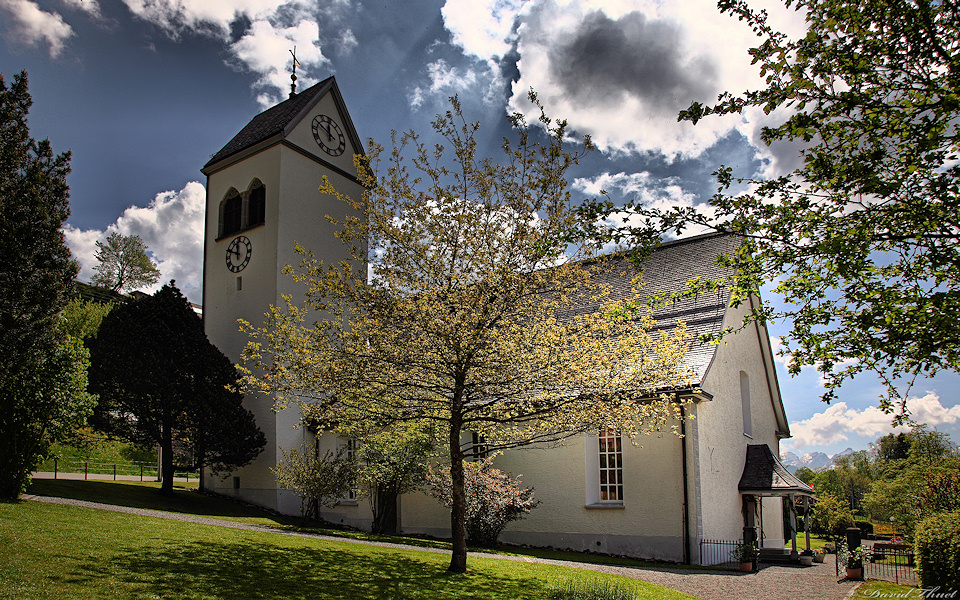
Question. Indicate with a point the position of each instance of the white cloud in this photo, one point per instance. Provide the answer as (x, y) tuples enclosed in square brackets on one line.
[(264, 49), (483, 28), (838, 422), (642, 188), (445, 81), (172, 228), (621, 70), (31, 26), (274, 28), (91, 7)]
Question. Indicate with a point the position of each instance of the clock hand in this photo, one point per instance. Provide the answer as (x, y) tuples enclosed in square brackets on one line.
[(329, 134)]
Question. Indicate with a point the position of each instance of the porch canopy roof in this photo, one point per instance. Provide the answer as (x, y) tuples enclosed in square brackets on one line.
[(764, 475)]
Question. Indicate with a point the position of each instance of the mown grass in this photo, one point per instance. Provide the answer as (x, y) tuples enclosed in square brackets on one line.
[(145, 495), (59, 552), (885, 589)]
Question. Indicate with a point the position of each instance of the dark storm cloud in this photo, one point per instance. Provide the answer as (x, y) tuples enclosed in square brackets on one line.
[(606, 59)]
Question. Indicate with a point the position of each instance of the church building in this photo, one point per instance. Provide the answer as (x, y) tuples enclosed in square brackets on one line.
[(721, 481)]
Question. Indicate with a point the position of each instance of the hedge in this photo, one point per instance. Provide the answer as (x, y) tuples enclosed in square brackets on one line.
[(937, 546)]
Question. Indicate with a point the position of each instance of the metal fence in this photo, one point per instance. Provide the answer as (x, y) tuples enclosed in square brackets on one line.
[(718, 553), (889, 564), (125, 470)]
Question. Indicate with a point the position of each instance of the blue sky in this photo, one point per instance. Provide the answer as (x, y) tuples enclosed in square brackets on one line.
[(143, 92)]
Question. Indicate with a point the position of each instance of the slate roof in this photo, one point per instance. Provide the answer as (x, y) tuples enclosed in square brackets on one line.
[(101, 295), (270, 122), (666, 271), (764, 474)]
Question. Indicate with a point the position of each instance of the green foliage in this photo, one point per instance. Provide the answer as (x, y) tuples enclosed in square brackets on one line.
[(87, 444), (831, 516), (81, 319), (42, 369), (937, 546), (805, 474), (393, 462), (592, 589), (861, 240), (494, 498), (850, 558), (744, 552), (460, 325), (318, 480), (156, 372), (123, 264), (892, 447)]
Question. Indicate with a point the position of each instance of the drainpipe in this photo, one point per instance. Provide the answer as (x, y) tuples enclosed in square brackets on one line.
[(686, 491)]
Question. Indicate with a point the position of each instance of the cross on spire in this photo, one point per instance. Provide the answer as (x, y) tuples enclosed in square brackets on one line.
[(293, 76)]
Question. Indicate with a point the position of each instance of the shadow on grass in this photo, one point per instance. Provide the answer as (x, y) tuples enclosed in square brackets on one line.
[(236, 571), (149, 497)]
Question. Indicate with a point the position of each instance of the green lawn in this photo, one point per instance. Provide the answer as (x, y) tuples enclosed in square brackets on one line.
[(144, 495), (885, 589), (65, 552)]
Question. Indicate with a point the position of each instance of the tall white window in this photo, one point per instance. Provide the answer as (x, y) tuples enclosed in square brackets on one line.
[(351, 453), (745, 404), (611, 466)]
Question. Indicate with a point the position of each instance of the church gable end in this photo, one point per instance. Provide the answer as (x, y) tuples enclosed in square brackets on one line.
[(314, 122)]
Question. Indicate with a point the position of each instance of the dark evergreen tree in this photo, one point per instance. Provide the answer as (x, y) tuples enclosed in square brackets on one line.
[(159, 376), (42, 371)]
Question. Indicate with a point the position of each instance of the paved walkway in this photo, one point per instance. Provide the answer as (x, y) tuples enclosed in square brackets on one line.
[(769, 583)]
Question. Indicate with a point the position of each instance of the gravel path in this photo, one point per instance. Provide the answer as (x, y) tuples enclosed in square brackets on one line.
[(770, 583)]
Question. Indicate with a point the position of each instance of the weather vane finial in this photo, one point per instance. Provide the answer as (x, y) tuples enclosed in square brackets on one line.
[(293, 76)]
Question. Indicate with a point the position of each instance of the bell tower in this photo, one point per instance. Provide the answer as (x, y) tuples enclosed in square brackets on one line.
[(262, 199)]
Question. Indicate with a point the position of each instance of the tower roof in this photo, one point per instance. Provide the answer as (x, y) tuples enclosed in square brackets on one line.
[(278, 120)]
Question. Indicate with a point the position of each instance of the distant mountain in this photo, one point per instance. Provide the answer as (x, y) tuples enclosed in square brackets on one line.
[(812, 460)]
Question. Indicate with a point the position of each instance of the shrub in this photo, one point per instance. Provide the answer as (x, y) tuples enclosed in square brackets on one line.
[(937, 546), (318, 480), (591, 589), (744, 552), (493, 498)]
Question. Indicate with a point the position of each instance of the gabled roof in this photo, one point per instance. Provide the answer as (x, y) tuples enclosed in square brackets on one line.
[(764, 475), (278, 120), (667, 271)]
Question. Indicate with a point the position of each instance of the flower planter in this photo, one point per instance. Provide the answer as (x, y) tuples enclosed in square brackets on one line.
[(807, 561), (746, 567), (818, 558), (854, 573)]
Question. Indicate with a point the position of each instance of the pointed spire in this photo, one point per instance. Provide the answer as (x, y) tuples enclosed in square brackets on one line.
[(293, 76)]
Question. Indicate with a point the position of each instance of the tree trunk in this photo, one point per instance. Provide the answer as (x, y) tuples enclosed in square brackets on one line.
[(458, 512), (166, 455)]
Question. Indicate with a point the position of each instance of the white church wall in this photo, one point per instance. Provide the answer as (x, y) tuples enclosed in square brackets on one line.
[(721, 438)]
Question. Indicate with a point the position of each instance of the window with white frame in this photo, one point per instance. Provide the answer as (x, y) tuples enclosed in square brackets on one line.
[(611, 466), (352, 446)]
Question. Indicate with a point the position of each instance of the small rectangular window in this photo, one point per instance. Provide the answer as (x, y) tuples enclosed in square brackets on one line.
[(236, 483), (239, 283)]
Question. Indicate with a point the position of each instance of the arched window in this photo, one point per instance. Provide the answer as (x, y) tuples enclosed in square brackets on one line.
[(745, 404), (257, 205), (243, 211), (231, 213)]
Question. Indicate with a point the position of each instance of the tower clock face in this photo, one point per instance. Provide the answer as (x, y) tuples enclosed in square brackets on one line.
[(328, 135), (238, 253)]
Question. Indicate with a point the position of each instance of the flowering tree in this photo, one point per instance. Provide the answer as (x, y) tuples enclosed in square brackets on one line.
[(464, 307), (494, 498)]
